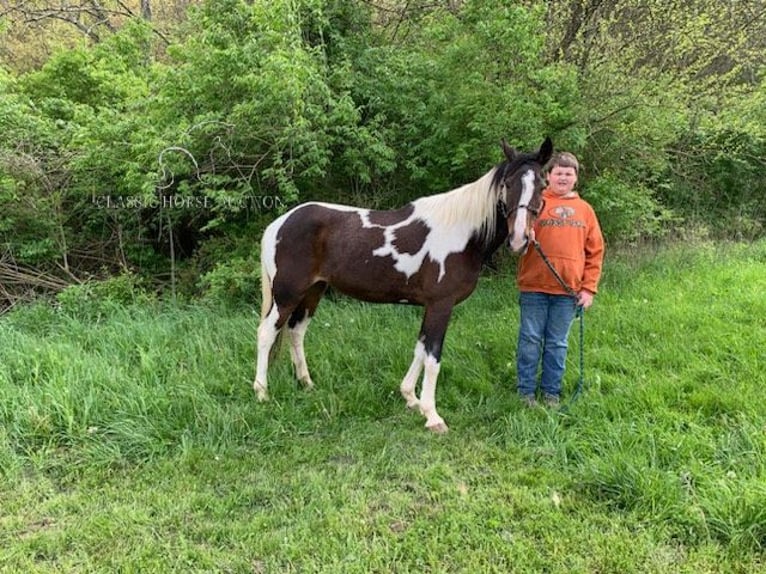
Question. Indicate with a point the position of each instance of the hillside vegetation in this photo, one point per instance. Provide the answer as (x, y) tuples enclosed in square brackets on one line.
[(155, 139)]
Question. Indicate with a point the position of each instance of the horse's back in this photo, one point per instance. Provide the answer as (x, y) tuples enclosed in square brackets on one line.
[(337, 244), (373, 255)]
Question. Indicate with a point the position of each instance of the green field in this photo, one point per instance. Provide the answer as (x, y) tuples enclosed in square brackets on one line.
[(130, 440)]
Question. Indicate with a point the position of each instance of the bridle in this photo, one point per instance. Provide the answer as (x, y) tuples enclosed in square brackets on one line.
[(506, 213), (533, 211)]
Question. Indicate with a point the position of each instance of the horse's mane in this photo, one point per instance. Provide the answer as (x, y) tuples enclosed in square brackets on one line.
[(473, 204)]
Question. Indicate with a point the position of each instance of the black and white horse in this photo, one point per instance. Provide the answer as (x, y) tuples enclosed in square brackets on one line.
[(429, 252)]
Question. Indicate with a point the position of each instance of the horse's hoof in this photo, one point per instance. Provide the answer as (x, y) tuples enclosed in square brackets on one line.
[(261, 394), (438, 428), (307, 384), (413, 405)]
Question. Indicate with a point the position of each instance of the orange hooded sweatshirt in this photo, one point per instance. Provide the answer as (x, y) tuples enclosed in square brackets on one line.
[(570, 236)]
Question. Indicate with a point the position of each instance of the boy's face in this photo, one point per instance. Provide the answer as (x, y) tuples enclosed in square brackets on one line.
[(561, 180)]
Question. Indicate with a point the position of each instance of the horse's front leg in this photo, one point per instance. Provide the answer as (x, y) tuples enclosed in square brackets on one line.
[(411, 378), (432, 334)]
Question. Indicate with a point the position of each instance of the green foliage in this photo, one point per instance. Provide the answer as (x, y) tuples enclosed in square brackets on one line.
[(672, 102), (720, 181), (131, 153), (98, 299), (457, 85), (658, 466), (254, 93), (627, 211), (106, 76), (56, 163), (28, 180), (237, 281)]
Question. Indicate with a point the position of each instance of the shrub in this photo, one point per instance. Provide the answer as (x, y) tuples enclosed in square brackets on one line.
[(94, 299), (627, 212), (236, 282)]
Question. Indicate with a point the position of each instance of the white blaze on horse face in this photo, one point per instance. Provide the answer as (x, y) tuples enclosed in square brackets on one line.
[(518, 239)]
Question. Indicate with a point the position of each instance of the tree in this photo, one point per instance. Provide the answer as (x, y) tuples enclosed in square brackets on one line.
[(655, 76), (38, 28)]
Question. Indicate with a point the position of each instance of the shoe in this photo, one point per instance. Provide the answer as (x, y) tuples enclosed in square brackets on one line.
[(528, 401), (552, 401)]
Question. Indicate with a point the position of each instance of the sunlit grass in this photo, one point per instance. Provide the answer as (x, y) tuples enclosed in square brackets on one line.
[(134, 443)]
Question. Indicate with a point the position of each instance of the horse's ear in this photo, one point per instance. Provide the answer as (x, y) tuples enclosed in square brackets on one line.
[(545, 152), (509, 152)]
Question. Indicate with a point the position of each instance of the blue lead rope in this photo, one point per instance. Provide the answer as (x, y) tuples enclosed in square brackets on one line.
[(579, 313), (581, 382)]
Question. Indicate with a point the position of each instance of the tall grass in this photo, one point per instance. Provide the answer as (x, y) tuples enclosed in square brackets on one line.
[(133, 442)]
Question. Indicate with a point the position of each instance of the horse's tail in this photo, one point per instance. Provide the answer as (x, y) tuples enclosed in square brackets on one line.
[(267, 296), (267, 301)]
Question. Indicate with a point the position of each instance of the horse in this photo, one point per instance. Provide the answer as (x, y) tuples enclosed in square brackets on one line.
[(429, 253)]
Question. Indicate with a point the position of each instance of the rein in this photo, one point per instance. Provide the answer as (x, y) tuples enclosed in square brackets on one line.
[(571, 292), (579, 313)]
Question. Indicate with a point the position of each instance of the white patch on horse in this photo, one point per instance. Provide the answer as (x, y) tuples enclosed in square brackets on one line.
[(520, 223), (452, 218), (269, 245), (443, 241), (365, 215), (438, 244)]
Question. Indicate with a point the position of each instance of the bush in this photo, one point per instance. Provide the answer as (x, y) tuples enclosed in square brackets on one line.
[(95, 299), (236, 282), (627, 212)]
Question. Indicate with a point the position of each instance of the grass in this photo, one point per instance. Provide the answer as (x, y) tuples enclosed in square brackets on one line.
[(132, 442)]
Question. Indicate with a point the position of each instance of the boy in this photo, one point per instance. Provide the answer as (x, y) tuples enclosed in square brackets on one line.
[(569, 234)]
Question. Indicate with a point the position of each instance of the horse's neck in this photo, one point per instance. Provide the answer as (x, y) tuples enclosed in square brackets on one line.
[(496, 239)]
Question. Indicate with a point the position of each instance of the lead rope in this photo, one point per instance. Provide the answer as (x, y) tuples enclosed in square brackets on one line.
[(579, 313)]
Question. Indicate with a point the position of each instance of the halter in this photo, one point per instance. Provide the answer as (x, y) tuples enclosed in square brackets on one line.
[(507, 212)]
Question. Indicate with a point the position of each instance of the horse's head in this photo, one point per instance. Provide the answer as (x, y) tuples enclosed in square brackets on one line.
[(520, 184)]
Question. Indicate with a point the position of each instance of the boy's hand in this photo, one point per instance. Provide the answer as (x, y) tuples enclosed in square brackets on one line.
[(585, 298)]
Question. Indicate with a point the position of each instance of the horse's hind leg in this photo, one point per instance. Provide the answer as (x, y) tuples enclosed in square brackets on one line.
[(268, 330), (297, 326)]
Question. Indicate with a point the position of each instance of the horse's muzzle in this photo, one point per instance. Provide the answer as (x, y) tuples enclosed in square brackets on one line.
[(518, 244)]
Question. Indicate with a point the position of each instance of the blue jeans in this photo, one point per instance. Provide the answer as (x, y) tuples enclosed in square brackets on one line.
[(544, 329)]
